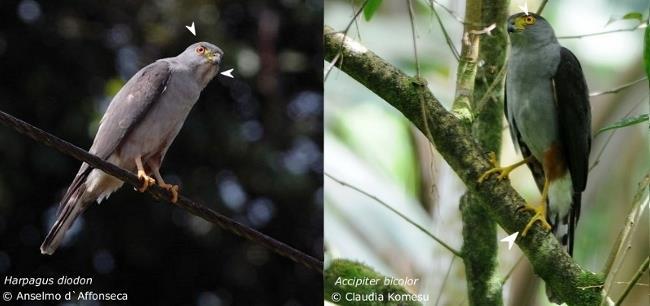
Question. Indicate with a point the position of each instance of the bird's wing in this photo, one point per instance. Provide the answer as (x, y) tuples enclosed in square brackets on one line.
[(572, 100), (129, 106), (574, 117), (514, 133), (534, 165)]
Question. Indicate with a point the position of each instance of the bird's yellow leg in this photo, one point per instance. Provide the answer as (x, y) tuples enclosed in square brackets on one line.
[(169, 187), (146, 180), (503, 171), (539, 211)]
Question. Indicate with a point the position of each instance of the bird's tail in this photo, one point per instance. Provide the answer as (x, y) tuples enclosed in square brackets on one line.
[(564, 229), (72, 205)]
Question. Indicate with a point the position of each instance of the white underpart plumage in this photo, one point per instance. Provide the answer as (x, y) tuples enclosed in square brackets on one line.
[(100, 184), (560, 196)]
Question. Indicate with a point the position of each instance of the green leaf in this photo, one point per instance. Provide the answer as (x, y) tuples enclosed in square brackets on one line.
[(629, 16), (633, 15), (370, 8), (624, 122)]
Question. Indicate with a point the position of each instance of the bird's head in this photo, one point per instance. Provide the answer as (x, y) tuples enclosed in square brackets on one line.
[(529, 27), (202, 53), (204, 58)]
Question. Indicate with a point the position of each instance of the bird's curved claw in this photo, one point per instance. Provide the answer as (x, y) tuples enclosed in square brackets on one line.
[(171, 188), (539, 215), (502, 171), (146, 181)]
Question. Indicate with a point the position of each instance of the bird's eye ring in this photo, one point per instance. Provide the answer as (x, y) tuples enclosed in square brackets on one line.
[(529, 20), (200, 50)]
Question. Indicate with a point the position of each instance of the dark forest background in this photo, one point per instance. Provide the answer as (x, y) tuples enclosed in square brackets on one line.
[(250, 149)]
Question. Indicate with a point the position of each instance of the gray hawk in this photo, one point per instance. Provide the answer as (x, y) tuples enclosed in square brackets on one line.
[(136, 130), (547, 108)]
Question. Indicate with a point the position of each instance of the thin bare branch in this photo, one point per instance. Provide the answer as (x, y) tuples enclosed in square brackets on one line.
[(413, 37), (407, 219), (448, 10), (611, 135), (345, 32), (637, 276), (185, 203), (619, 249), (444, 281), (512, 270), (354, 18), (641, 26), (491, 89), (448, 40), (541, 7), (331, 66), (617, 89)]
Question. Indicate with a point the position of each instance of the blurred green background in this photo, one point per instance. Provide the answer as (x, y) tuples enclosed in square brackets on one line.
[(251, 148), (373, 147)]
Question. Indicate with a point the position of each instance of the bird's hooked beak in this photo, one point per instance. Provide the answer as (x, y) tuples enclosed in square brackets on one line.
[(516, 25), (214, 57)]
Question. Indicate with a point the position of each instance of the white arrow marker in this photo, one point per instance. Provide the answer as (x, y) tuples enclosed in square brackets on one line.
[(228, 73), (192, 29), (510, 240), (524, 7)]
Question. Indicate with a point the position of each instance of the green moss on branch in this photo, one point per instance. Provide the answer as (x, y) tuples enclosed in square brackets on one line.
[(480, 250), (352, 283), (455, 143)]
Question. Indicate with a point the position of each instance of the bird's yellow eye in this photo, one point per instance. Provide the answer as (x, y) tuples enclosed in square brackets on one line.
[(200, 50), (529, 19)]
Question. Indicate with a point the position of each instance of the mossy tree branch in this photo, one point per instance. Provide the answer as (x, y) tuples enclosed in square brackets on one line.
[(573, 284), (353, 283), (486, 101)]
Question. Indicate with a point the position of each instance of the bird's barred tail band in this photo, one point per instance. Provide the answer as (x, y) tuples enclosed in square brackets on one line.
[(72, 207), (573, 220), (564, 228), (561, 231), (564, 231)]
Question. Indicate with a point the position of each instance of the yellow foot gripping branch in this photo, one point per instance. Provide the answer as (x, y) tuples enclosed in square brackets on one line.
[(146, 181), (503, 171)]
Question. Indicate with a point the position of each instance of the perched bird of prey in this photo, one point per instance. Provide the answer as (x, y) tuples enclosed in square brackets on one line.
[(138, 127), (547, 107)]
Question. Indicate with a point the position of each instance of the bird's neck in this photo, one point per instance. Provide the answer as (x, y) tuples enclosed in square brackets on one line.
[(526, 42), (205, 73)]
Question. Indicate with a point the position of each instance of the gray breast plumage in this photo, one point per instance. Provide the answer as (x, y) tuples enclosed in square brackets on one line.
[(531, 101), (153, 135)]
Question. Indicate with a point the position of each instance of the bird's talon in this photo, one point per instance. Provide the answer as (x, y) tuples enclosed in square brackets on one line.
[(495, 169), (173, 189), (146, 181), (503, 171), (539, 215)]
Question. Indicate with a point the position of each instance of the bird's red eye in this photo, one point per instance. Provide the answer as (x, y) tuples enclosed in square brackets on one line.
[(200, 50)]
